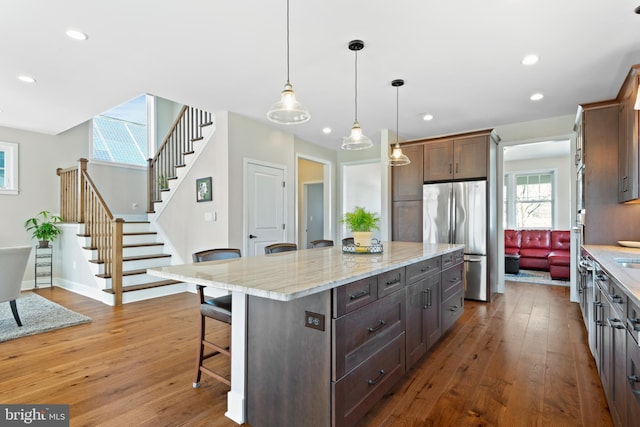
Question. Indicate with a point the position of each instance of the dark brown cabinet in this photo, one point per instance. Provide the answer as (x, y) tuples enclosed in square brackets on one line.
[(407, 180), (628, 177), (407, 221), (464, 158), (423, 308)]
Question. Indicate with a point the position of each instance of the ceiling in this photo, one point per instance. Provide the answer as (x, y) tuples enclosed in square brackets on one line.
[(460, 60)]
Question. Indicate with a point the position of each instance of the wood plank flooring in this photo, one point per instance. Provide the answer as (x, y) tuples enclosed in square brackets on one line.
[(522, 360)]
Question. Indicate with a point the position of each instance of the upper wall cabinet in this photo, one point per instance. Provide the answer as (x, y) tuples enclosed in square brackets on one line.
[(464, 158), (628, 177), (407, 180)]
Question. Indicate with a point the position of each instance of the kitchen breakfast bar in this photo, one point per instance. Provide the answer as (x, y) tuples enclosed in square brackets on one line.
[(319, 335)]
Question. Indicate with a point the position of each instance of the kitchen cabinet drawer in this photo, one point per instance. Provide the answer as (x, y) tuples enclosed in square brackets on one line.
[(354, 295), (452, 258), (390, 281), (422, 269), (452, 281), (633, 381), (364, 331), (356, 393), (452, 309)]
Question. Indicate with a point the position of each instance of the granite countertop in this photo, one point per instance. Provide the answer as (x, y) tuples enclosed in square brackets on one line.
[(289, 275), (629, 278)]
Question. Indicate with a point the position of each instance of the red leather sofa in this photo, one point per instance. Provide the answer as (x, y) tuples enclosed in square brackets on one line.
[(547, 250)]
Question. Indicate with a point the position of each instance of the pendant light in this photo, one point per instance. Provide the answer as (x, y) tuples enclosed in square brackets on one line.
[(356, 140), (288, 110), (397, 158)]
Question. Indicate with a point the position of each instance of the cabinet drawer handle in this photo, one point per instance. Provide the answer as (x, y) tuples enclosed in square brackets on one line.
[(380, 324), (393, 282), (600, 323), (454, 308), (454, 280), (362, 293), (427, 268), (634, 324), (633, 379), (381, 373), (610, 321), (428, 303), (615, 298)]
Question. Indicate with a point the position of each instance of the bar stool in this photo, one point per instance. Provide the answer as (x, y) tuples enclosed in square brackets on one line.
[(280, 247), (321, 243), (217, 309)]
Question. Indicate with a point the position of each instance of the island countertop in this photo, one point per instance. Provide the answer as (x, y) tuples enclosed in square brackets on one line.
[(290, 275)]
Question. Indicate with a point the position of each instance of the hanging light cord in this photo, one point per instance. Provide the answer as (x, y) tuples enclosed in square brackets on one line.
[(397, 113), (356, 86), (288, 82)]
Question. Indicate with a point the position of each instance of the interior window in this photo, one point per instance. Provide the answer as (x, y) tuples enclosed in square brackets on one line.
[(120, 134), (529, 199), (8, 168)]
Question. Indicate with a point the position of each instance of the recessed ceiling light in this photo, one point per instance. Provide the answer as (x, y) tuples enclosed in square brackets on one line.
[(26, 79), (529, 59), (326, 130), (536, 97), (427, 117), (76, 35)]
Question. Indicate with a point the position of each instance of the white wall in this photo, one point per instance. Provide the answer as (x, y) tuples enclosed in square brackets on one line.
[(39, 157), (561, 165), (184, 221)]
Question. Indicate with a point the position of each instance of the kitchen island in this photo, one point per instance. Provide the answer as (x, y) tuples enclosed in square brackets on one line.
[(318, 335)]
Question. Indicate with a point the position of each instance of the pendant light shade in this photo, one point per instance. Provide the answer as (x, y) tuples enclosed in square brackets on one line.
[(397, 158), (356, 140), (288, 110)]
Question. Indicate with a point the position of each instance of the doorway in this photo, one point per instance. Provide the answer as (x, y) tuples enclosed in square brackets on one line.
[(314, 200), (547, 166)]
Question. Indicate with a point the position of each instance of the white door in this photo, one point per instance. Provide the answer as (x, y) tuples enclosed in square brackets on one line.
[(265, 207)]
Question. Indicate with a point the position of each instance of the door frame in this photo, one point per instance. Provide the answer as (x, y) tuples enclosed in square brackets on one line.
[(245, 199), (304, 213), (328, 197)]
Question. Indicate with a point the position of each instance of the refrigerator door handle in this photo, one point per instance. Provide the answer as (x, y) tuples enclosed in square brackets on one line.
[(452, 216)]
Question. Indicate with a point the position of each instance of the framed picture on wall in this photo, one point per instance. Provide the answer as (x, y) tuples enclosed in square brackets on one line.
[(204, 190)]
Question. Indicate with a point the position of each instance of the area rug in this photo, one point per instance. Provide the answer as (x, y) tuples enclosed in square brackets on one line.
[(38, 315), (534, 276)]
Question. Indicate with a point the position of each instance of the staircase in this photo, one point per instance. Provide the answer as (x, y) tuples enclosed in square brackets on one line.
[(141, 249), (118, 251)]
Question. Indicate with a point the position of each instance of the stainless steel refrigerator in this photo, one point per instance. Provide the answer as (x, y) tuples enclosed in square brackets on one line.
[(456, 212)]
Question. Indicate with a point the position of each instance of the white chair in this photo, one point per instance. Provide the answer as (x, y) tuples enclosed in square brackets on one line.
[(13, 262)]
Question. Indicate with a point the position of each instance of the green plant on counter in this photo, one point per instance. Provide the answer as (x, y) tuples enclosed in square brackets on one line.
[(361, 220)]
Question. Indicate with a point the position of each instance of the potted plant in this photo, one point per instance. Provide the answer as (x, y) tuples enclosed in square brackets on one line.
[(361, 223), (43, 227)]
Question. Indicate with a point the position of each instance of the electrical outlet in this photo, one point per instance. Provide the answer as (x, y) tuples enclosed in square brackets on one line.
[(314, 320)]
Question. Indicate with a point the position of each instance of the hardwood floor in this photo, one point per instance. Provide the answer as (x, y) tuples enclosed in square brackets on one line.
[(520, 361)]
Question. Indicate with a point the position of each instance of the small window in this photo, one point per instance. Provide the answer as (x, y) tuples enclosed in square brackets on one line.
[(529, 199), (8, 168), (120, 134)]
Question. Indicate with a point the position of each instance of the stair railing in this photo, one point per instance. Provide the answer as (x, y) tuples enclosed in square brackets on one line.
[(186, 129), (81, 202)]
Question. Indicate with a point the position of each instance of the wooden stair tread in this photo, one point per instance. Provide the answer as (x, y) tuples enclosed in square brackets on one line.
[(124, 273), (133, 258), (134, 245), (141, 286)]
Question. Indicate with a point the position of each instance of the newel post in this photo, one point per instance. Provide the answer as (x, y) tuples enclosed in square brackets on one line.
[(116, 257), (82, 169), (150, 185)]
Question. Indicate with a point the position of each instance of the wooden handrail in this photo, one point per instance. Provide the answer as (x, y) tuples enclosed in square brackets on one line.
[(81, 202), (186, 129)]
